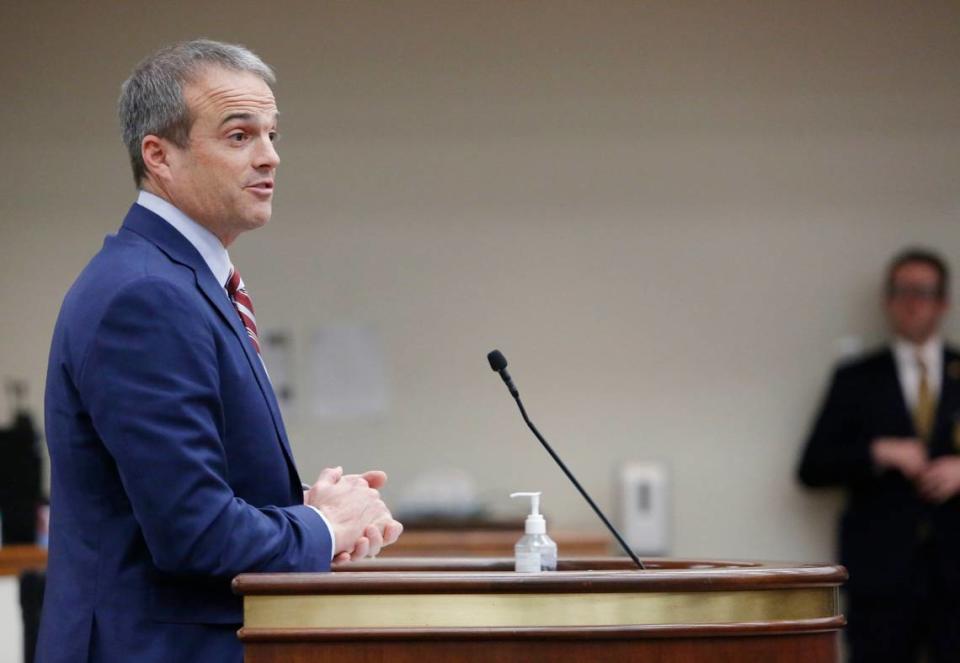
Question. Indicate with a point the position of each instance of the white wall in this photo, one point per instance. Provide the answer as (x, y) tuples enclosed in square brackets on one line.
[(664, 213), (11, 625)]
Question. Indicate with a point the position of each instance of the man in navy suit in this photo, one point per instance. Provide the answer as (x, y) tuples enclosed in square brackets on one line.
[(889, 432), (171, 471)]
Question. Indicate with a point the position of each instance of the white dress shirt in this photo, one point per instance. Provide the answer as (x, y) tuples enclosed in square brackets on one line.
[(204, 241), (214, 253), (905, 355)]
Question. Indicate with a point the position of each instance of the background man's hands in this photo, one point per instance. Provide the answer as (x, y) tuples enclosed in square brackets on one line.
[(937, 480), (941, 480), (351, 503), (908, 455)]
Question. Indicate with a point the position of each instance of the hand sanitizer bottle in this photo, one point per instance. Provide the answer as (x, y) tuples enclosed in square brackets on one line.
[(535, 551)]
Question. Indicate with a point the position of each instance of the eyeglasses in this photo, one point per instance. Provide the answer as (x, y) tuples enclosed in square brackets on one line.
[(925, 293)]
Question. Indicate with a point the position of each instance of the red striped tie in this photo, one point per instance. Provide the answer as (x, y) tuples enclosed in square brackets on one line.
[(244, 305)]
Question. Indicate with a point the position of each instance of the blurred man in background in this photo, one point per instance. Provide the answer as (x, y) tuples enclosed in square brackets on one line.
[(889, 433)]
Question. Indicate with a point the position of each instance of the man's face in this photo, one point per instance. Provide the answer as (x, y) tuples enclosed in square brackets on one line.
[(915, 306), (224, 177)]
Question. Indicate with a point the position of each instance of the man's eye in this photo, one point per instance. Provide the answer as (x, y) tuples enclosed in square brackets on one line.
[(237, 137), (274, 136)]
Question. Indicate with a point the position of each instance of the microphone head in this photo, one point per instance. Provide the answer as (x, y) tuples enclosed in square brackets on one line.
[(497, 361)]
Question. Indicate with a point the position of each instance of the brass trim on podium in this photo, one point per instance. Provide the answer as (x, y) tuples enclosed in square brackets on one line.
[(495, 610), (590, 609)]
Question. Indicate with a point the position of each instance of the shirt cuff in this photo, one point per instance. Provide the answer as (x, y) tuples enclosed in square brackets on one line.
[(333, 537)]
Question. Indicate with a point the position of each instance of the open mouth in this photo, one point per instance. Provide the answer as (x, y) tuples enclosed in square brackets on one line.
[(264, 188)]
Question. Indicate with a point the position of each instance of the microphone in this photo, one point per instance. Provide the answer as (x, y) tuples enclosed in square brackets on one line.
[(499, 365)]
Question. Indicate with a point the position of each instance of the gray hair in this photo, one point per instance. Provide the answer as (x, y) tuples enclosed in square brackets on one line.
[(151, 100)]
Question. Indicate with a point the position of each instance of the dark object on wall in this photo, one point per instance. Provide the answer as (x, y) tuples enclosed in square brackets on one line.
[(31, 600), (20, 472)]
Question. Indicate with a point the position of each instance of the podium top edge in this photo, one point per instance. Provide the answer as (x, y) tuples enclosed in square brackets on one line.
[(495, 575)]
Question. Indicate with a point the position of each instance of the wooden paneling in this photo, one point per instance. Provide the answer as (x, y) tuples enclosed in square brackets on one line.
[(15, 559), (488, 543)]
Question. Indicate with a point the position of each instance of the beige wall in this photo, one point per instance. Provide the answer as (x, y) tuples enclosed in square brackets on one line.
[(666, 214)]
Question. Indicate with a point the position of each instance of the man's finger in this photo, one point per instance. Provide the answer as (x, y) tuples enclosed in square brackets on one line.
[(354, 480), (360, 548), (375, 478), (931, 486), (330, 474), (391, 532), (376, 540), (340, 558)]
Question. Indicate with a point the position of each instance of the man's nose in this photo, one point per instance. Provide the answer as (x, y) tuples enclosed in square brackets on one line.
[(267, 156)]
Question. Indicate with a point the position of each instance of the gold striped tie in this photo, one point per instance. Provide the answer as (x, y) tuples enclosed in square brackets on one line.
[(923, 412)]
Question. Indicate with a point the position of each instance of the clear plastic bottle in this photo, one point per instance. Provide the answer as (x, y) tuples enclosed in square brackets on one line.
[(535, 551)]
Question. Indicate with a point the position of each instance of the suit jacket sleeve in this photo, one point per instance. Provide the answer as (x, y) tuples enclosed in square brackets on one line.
[(838, 449), (150, 381)]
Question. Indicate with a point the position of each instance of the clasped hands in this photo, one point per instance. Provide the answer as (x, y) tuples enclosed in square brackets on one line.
[(937, 479), (351, 503)]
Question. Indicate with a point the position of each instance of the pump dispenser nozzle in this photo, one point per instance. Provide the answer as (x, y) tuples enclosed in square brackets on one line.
[(535, 524), (534, 501)]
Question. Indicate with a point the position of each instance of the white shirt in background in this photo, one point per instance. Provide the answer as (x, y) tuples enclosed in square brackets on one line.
[(905, 355)]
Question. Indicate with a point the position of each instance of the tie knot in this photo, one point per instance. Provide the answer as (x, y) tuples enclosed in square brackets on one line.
[(921, 365), (234, 283)]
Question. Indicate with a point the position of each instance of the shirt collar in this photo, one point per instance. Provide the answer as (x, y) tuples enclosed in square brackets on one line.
[(931, 352), (204, 241)]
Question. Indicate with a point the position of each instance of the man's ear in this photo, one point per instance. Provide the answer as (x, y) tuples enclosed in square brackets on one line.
[(156, 156)]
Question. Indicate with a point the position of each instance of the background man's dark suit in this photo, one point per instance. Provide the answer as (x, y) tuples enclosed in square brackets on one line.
[(902, 552)]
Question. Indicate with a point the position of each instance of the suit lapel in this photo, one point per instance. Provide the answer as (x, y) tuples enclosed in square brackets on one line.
[(217, 297), (152, 227), (948, 404)]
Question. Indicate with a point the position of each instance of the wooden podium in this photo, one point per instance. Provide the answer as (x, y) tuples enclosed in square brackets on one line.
[(590, 609)]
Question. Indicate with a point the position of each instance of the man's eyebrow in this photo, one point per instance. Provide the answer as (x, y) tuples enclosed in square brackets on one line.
[(245, 116)]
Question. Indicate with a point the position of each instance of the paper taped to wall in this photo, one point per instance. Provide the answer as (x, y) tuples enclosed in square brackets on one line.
[(349, 377)]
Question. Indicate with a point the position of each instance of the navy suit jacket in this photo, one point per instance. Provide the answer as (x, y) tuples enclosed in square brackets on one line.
[(893, 542), (170, 467)]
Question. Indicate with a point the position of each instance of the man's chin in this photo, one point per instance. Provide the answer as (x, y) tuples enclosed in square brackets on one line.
[(259, 217), (917, 336)]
